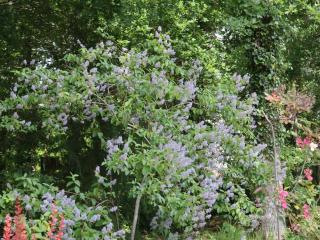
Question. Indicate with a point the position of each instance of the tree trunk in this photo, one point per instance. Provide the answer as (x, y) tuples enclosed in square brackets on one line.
[(273, 222)]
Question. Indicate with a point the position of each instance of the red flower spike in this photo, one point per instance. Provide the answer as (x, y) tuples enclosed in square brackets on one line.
[(56, 229), (61, 228), (20, 227), (7, 228), (53, 221)]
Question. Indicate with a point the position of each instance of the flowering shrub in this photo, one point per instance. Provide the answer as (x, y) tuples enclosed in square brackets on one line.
[(301, 196), (46, 213), (184, 147)]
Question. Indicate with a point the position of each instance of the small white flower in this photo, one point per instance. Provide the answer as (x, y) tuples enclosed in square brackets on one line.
[(243, 237), (313, 146)]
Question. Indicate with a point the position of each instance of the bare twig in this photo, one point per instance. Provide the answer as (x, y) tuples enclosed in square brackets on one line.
[(300, 175)]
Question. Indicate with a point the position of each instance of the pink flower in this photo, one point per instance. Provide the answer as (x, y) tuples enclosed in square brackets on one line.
[(303, 142), (282, 196), (299, 142), (308, 174), (307, 141), (306, 211)]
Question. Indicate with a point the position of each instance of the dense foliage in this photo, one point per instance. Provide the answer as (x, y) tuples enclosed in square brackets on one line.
[(161, 115)]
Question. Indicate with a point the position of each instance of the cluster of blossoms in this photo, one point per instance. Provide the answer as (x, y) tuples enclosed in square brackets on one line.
[(284, 194), (91, 215), (308, 174), (56, 228), (229, 192), (65, 217), (45, 90), (306, 211), (229, 102), (205, 161), (273, 97), (290, 104), (306, 142), (282, 197), (7, 228), (19, 230)]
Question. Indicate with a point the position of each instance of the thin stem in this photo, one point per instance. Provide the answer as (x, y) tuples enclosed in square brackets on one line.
[(135, 217), (112, 201), (300, 175)]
